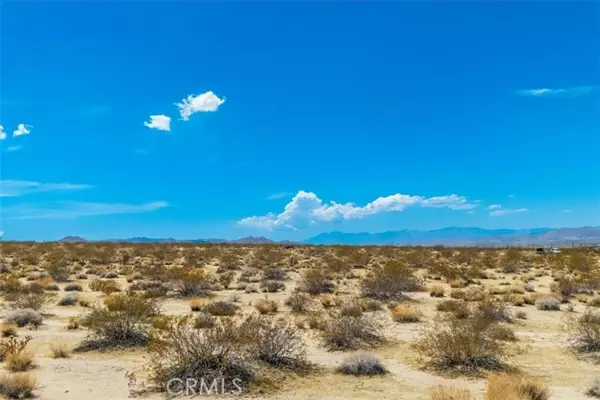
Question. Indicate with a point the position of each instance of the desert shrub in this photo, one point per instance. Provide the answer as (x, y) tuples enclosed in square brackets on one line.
[(529, 287), (220, 308), (406, 314), (8, 330), (362, 364), (502, 332), (251, 288), (459, 308), (521, 315), (60, 349), (73, 287), (464, 345), (343, 333), (74, 323), (232, 350), (24, 317), (196, 304), (390, 281), (204, 321), (470, 294), (594, 301), (300, 303), (593, 389), (226, 279), (194, 283), (495, 310), (106, 287), (272, 286), (514, 299), (266, 306), (584, 330), (111, 275), (351, 309), (20, 361), (331, 301), (33, 301), (274, 274), (502, 386), (68, 300), (13, 345), (369, 305), (450, 393), (548, 304), (315, 281), (121, 322), (18, 386), (59, 272), (82, 276), (437, 291)]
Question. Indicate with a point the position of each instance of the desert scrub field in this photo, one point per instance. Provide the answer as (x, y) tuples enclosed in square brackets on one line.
[(109, 320)]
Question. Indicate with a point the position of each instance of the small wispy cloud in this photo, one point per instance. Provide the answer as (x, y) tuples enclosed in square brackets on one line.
[(13, 148), (505, 211), (279, 195), (2, 133), (73, 210), (22, 129), (15, 188), (510, 196), (494, 206), (205, 102), (567, 211), (160, 122), (562, 92)]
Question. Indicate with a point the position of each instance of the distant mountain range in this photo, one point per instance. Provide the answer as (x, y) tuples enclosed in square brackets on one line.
[(453, 236)]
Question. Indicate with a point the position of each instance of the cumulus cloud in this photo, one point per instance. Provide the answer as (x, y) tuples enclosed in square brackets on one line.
[(494, 206), (160, 122), (505, 211), (15, 188), (205, 102), (73, 210), (563, 92), (2, 133), (22, 129), (307, 208)]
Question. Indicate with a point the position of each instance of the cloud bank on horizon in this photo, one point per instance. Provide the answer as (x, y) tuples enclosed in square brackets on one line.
[(307, 208)]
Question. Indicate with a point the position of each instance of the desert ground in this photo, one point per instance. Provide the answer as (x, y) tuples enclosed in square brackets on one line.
[(116, 321)]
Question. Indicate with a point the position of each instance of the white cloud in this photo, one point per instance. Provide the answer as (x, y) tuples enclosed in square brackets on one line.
[(72, 210), (13, 148), (22, 129), (205, 102), (2, 133), (307, 208), (279, 195), (494, 206), (567, 211), (564, 92), (14, 188), (160, 122), (505, 211)]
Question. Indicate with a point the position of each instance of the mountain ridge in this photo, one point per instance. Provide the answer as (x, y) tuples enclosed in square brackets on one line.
[(450, 236)]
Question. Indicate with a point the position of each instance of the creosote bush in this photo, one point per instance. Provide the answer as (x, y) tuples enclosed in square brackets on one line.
[(465, 345), (24, 317), (18, 386), (243, 350), (390, 282), (121, 322), (584, 330), (362, 364), (348, 333)]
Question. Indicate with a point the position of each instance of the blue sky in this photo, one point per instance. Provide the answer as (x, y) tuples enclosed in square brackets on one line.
[(296, 118)]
